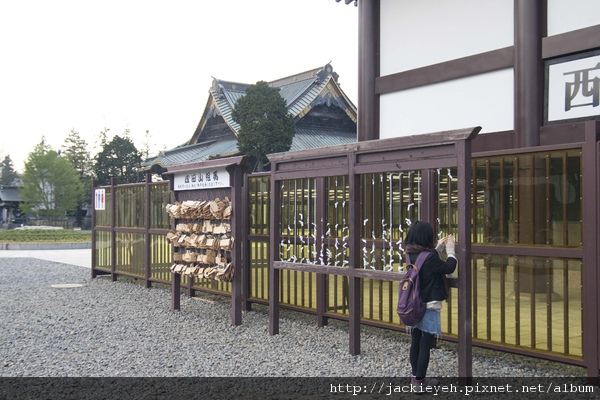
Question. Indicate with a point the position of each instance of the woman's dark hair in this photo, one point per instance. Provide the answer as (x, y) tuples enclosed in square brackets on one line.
[(420, 233)]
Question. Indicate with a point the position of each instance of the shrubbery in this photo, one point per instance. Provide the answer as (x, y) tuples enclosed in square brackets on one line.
[(44, 235)]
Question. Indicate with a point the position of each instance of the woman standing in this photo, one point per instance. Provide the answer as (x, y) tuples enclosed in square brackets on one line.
[(433, 291)]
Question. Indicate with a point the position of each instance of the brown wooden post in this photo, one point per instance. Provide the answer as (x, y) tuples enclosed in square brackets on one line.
[(94, 263), (189, 286), (147, 237), (274, 254), (244, 243), (427, 208), (591, 252), (175, 278), (113, 234), (237, 225), (175, 291), (530, 28), (354, 293), (321, 216), (368, 59), (465, 340)]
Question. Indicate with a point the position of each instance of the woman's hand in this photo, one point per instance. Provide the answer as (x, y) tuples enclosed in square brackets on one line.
[(441, 244), (450, 245)]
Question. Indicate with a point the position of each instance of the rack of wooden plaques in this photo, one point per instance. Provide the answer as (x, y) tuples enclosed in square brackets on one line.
[(202, 240), (206, 222)]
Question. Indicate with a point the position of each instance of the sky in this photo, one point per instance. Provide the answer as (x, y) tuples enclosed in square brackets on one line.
[(148, 65)]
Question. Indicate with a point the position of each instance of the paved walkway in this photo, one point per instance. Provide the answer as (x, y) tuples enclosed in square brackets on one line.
[(80, 257)]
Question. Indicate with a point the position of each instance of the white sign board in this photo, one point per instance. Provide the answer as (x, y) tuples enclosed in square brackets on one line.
[(209, 178), (573, 88), (100, 199)]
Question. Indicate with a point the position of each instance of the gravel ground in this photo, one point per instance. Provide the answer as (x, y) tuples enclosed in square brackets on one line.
[(120, 329)]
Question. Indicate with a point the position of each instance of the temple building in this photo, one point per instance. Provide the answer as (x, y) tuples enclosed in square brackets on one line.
[(323, 113)]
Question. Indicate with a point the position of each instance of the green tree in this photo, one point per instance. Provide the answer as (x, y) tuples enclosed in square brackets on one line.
[(75, 149), (51, 187), (118, 158), (7, 174), (265, 125)]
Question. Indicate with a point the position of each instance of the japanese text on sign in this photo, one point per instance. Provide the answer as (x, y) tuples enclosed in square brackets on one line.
[(202, 179), (574, 89)]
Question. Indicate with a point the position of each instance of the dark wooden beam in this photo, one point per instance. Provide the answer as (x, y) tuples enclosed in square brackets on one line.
[(354, 293), (374, 146), (321, 218), (463, 252), (530, 27), (275, 220), (553, 46), (238, 230), (94, 233), (591, 250), (147, 237), (571, 42), (368, 71), (459, 68)]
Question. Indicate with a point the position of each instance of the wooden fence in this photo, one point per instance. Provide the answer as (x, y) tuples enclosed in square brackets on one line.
[(533, 265)]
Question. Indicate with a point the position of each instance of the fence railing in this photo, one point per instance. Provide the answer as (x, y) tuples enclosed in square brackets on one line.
[(129, 234), (527, 261)]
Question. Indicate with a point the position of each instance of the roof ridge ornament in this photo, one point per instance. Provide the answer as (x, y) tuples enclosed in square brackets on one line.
[(326, 71)]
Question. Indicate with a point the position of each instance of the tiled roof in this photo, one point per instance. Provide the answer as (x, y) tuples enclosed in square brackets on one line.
[(226, 99), (188, 154), (298, 95), (9, 194), (193, 153), (301, 93), (311, 138), (298, 91)]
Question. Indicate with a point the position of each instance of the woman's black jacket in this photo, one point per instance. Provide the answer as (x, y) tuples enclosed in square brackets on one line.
[(432, 276)]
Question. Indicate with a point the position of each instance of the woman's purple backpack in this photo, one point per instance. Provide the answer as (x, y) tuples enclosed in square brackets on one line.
[(411, 308)]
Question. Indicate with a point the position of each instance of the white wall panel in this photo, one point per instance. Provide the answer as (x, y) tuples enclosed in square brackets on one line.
[(417, 33), (484, 100), (569, 15)]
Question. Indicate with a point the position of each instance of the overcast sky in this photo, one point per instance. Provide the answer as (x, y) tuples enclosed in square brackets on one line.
[(148, 65)]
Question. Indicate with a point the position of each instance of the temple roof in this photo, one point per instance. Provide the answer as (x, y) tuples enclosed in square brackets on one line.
[(9, 194), (323, 114)]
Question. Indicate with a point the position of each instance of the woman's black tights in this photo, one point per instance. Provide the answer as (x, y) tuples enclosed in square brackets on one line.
[(419, 352)]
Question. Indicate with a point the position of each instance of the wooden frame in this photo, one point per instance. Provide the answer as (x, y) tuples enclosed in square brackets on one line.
[(237, 168)]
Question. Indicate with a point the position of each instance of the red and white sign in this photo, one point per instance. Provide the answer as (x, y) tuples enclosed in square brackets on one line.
[(100, 199)]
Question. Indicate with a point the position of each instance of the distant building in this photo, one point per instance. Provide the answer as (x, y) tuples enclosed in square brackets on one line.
[(9, 204), (324, 116)]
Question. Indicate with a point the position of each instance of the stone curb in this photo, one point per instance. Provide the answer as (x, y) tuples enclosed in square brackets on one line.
[(46, 246)]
